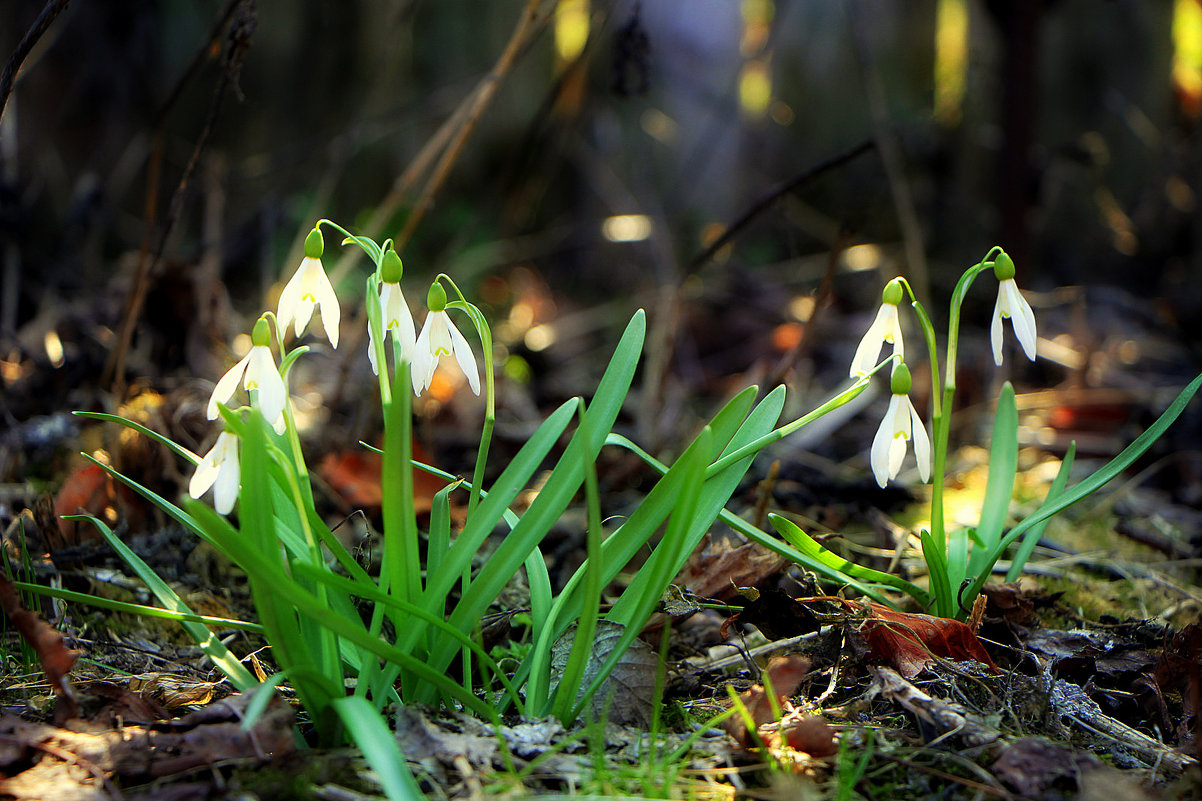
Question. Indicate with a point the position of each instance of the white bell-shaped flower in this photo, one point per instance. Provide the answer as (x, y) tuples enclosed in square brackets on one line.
[(256, 370), (394, 312), (440, 337), (219, 469), (1011, 304), (886, 328), (310, 288), (901, 425)]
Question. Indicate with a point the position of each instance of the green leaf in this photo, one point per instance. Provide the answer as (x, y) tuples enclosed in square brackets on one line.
[(833, 566), (268, 572), (999, 489), (565, 479), (1023, 553), (239, 676), (1092, 484), (154, 435), (941, 588), (137, 609), (366, 728)]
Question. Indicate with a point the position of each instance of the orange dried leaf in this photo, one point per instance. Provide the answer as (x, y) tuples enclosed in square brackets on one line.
[(911, 641)]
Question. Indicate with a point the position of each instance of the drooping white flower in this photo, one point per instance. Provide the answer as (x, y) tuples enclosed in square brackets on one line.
[(256, 370), (901, 425), (309, 288), (1011, 303), (219, 467), (886, 328), (394, 312), (440, 337)]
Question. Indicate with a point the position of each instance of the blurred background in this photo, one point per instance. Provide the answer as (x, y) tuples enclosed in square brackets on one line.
[(749, 171)]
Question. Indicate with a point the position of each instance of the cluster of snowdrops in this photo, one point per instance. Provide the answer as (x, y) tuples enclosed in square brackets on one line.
[(310, 290)]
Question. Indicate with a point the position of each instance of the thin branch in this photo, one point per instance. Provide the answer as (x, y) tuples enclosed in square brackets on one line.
[(774, 194), (52, 9), (448, 141), (238, 41)]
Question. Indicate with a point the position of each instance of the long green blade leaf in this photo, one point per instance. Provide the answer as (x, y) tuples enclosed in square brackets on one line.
[(1092, 484), (239, 676)]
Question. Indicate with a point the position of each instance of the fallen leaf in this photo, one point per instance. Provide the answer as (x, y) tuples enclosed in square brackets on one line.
[(784, 675), (910, 641), (716, 568), (1034, 767), (172, 691), (811, 735), (776, 614), (355, 476), (626, 695), (75, 765), (56, 659)]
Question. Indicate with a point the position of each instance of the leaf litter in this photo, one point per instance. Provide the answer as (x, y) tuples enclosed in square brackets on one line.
[(1014, 704)]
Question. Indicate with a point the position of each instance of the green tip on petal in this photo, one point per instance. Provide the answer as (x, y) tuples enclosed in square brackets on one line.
[(315, 245), (899, 384), (436, 298), (261, 335), (893, 292), (391, 268), (1003, 267)]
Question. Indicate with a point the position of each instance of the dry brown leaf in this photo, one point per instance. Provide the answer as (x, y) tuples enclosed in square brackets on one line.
[(716, 568), (626, 695), (911, 642), (77, 765), (172, 691), (55, 657), (784, 674)]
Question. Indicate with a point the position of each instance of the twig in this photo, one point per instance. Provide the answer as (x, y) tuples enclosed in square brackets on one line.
[(449, 140), (51, 10), (776, 192), (238, 41)]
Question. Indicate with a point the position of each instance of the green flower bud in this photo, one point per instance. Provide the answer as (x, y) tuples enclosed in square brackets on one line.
[(893, 292), (436, 298), (391, 267), (899, 384), (315, 245), (261, 335), (1003, 267)]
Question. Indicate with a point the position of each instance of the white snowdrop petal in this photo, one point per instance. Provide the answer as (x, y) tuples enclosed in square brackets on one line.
[(879, 455), (1023, 320), (922, 445), (465, 358), (422, 370), (226, 386), (995, 331), (870, 344), (261, 374)]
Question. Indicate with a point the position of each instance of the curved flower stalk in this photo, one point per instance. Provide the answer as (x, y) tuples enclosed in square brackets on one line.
[(394, 312), (886, 328), (257, 371), (218, 469), (310, 289), (440, 337), (1011, 304), (900, 425)]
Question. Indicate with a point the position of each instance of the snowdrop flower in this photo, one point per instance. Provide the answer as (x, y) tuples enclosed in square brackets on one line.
[(218, 467), (440, 337), (394, 312), (1011, 303), (256, 370), (885, 328), (309, 288), (901, 424)]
